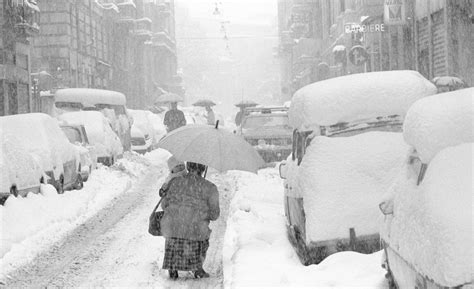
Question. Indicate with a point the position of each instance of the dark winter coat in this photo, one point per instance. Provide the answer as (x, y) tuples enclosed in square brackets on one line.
[(189, 204), (174, 119)]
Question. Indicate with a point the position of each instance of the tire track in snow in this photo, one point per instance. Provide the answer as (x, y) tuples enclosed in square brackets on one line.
[(65, 258)]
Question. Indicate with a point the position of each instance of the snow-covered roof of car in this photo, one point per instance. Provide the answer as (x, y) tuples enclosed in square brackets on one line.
[(90, 96), (357, 96), (343, 179), (40, 134), (431, 227), (440, 121)]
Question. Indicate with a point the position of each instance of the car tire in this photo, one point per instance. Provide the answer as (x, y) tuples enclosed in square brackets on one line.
[(60, 185), (79, 184), (14, 191)]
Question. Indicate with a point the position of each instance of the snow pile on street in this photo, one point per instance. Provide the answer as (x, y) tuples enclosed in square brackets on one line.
[(32, 224), (258, 254), (440, 121), (344, 179), (149, 123), (432, 224), (357, 96)]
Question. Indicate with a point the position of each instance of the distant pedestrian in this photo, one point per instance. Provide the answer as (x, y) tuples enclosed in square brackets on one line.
[(174, 118), (239, 116), (211, 117), (189, 204)]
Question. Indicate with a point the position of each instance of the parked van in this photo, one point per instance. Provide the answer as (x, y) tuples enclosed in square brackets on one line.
[(346, 150), (427, 231), (111, 103)]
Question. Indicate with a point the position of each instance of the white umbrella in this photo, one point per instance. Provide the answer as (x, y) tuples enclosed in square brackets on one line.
[(213, 147), (169, 97)]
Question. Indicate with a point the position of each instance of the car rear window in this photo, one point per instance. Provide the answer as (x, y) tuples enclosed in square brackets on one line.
[(72, 134), (266, 121)]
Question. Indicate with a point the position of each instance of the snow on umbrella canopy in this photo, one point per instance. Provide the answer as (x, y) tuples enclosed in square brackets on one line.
[(169, 97), (213, 147), (204, 103), (246, 103)]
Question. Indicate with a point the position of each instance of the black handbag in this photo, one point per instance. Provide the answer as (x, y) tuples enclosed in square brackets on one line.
[(154, 225)]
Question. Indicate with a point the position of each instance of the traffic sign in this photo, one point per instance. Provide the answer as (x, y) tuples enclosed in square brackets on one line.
[(358, 55)]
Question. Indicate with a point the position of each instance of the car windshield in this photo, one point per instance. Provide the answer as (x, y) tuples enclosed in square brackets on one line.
[(72, 134), (266, 121), (69, 105)]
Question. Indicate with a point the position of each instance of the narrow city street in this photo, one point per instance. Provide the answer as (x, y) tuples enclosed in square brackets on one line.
[(113, 248)]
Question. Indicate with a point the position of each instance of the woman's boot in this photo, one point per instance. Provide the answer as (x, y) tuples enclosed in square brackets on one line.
[(173, 274), (201, 274)]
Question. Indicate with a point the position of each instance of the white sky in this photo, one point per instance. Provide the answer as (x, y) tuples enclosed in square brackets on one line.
[(236, 11)]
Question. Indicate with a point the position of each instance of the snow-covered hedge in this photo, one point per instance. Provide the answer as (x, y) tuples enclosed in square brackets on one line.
[(344, 179), (432, 224), (357, 96), (440, 121)]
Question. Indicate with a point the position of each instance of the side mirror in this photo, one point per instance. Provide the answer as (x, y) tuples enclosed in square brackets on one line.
[(283, 170), (386, 207)]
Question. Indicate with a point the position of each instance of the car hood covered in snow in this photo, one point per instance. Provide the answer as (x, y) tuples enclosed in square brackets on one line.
[(440, 121), (357, 96), (343, 179)]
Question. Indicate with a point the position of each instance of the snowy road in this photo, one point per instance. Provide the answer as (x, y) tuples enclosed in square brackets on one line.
[(114, 248)]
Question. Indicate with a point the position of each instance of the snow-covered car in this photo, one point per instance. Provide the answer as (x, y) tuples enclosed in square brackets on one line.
[(346, 150), (111, 103), (427, 231), (77, 135), (106, 143), (268, 130), (150, 124), (41, 136), (140, 143), (20, 172)]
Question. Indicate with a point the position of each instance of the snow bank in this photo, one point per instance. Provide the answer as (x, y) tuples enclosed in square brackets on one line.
[(257, 253), (344, 179), (357, 96), (32, 224), (440, 121), (432, 224)]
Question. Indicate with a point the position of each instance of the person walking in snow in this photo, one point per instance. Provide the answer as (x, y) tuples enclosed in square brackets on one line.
[(239, 116), (174, 118), (211, 117), (189, 204)]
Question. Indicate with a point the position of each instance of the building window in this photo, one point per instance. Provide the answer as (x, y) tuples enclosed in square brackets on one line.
[(2, 99), (342, 4), (12, 98)]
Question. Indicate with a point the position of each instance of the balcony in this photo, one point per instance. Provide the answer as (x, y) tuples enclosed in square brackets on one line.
[(142, 29), (162, 40), (127, 11), (26, 15)]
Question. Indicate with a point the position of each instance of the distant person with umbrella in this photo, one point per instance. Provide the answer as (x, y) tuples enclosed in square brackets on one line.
[(189, 203), (211, 117), (174, 118), (239, 116), (242, 105), (207, 103)]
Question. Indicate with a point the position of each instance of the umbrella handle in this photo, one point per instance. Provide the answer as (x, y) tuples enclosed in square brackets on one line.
[(217, 124), (205, 172)]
